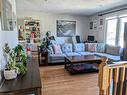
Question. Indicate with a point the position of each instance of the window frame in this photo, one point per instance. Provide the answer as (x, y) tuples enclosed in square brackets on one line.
[(107, 19), (118, 28)]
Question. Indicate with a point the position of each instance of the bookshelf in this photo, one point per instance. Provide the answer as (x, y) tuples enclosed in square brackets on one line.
[(29, 33)]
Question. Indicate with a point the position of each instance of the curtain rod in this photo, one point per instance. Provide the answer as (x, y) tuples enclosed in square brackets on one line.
[(112, 11)]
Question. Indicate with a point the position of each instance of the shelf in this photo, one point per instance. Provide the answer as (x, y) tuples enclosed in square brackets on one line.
[(31, 32), (22, 41)]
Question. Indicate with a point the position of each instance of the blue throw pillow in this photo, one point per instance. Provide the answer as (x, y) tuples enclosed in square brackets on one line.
[(101, 47), (79, 47), (66, 48)]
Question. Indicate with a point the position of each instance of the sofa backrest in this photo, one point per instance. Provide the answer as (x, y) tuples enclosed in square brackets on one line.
[(78, 47), (101, 47), (114, 50), (95, 47), (66, 48), (81, 47)]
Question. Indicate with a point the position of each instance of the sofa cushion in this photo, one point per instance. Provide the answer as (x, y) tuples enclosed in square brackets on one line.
[(79, 47), (114, 50), (111, 57), (92, 47), (66, 48), (56, 56), (73, 54), (86, 53), (57, 49), (101, 47)]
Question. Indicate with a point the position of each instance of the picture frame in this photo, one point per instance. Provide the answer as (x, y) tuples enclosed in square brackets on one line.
[(66, 28)]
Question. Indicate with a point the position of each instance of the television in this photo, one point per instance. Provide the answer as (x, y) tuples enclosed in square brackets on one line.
[(90, 38)]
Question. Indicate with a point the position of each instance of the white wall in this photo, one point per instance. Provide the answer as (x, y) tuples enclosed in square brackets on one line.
[(10, 37), (48, 23), (99, 32)]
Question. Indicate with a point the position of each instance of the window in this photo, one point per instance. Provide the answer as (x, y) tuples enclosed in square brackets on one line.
[(111, 31), (115, 30), (121, 33)]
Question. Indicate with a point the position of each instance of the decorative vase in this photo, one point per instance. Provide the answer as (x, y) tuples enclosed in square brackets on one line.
[(10, 74)]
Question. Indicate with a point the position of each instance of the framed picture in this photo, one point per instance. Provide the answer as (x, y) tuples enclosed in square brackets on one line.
[(66, 28), (91, 25), (95, 25), (101, 21)]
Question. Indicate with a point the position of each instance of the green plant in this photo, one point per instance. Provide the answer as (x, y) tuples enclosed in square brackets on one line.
[(10, 56), (6, 49), (24, 59), (11, 59), (47, 41), (22, 68), (18, 49)]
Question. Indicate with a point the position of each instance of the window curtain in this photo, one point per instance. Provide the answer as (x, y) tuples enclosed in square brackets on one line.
[(125, 43)]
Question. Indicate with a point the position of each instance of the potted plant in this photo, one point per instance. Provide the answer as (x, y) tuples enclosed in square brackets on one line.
[(11, 70), (14, 68), (46, 41)]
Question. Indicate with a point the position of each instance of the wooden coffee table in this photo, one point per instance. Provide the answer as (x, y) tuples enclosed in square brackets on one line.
[(89, 59)]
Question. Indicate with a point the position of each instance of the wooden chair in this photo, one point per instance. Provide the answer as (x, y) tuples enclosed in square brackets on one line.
[(112, 78)]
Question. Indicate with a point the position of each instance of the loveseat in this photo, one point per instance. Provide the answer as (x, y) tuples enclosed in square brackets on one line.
[(57, 52)]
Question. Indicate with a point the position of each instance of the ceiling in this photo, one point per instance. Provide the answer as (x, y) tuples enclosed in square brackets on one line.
[(80, 7)]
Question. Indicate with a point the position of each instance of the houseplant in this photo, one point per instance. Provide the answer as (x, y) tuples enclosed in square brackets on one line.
[(11, 70), (18, 50), (46, 41), (13, 67), (22, 62)]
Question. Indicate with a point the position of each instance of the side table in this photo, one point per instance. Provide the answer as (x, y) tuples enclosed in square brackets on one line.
[(42, 57)]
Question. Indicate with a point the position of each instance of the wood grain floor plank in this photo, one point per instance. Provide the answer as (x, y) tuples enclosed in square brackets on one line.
[(57, 81)]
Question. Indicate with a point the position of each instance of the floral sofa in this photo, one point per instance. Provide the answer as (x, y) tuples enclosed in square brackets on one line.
[(57, 52)]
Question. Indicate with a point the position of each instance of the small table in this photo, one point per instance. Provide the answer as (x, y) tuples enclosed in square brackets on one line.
[(42, 57), (23, 85), (71, 61)]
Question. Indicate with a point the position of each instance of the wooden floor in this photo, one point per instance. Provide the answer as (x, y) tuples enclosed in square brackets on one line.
[(57, 81)]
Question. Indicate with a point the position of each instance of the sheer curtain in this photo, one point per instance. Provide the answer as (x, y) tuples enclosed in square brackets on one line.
[(125, 43)]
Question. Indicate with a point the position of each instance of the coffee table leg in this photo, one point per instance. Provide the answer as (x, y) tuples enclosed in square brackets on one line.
[(65, 63)]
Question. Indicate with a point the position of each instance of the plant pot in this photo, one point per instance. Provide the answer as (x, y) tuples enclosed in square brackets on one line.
[(10, 74)]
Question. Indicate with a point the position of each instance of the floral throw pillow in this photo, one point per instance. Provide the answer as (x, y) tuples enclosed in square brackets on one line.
[(101, 47), (92, 47)]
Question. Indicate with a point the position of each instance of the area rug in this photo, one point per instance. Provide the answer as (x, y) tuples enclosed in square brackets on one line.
[(57, 81)]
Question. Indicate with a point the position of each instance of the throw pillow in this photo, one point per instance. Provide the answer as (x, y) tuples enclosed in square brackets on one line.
[(114, 50), (66, 48), (92, 47), (79, 47), (57, 49), (101, 47)]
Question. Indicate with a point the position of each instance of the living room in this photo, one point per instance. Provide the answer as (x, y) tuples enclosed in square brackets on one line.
[(60, 36)]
